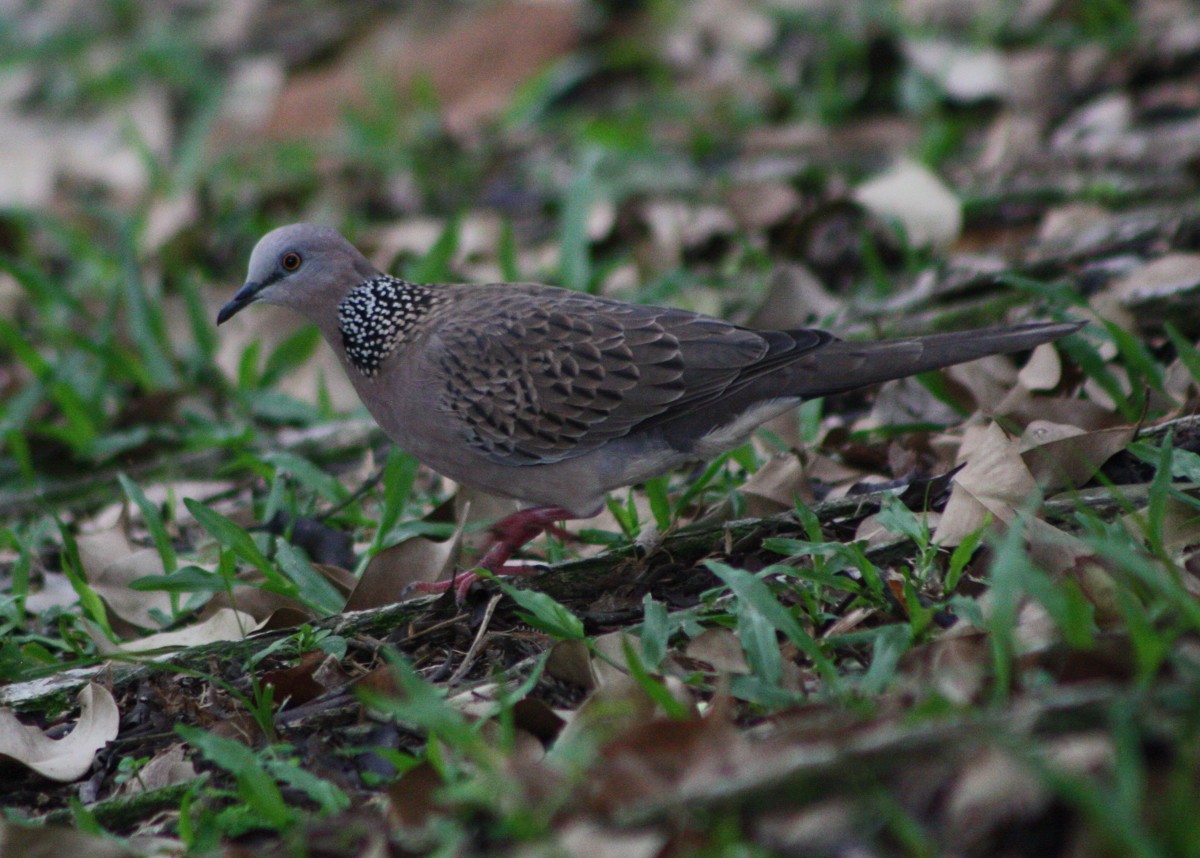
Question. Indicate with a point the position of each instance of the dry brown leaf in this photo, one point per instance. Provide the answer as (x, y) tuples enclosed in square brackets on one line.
[(1180, 526), (795, 298), (110, 564), (167, 767), (911, 194), (315, 674), (872, 531), (474, 65), (260, 604), (776, 485), (763, 204), (994, 480), (70, 757), (582, 838), (958, 666), (225, 624), (719, 648), (1173, 279), (1065, 223), (824, 827), (55, 841), (1043, 370), (411, 802), (389, 573), (908, 401), (988, 380), (655, 759), (967, 73), (56, 592), (1023, 408), (571, 661), (995, 790), (611, 668), (1060, 456)]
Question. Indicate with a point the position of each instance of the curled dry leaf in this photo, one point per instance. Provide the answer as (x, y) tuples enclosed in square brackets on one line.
[(660, 760), (988, 380), (907, 401), (263, 605), (70, 757), (411, 801), (56, 592), (571, 661)]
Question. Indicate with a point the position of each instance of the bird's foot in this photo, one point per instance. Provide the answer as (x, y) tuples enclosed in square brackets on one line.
[(511, 532)]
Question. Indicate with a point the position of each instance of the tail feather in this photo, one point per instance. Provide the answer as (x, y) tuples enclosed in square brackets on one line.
[(842, 366)]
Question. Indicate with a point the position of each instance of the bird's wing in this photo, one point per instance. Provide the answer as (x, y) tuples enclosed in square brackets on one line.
[(537, 375)]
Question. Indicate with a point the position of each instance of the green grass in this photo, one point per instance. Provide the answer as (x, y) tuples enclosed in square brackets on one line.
[(112, 406)]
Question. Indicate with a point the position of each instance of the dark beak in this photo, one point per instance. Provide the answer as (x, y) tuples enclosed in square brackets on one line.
[(248, 294)]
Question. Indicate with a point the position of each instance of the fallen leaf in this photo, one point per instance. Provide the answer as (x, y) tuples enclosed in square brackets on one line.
[(719, 648), (474, 65), (795, 298), (167, 767), (776, 486), (967, 73), (995, 480), (1043, 370), (1060, 456), (225, 624), (70, 757), (390, 572), (110, 564), (582, 838), (911, 194), (50, 841)]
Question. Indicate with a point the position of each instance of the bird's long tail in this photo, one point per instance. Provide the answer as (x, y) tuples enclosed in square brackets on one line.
[(841, 366)]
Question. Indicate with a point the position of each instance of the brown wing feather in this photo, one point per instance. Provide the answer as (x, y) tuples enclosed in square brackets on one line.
[(537, 375)]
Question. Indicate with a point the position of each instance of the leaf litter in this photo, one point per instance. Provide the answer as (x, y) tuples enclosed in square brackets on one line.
[(946, 620)]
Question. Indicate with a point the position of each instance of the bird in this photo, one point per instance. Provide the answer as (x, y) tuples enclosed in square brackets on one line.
[(556, 397)]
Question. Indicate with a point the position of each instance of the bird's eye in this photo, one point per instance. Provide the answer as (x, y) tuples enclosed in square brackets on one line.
[(290, 261)]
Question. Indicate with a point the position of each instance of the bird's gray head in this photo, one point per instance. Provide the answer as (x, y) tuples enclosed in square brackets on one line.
[(305, 267)]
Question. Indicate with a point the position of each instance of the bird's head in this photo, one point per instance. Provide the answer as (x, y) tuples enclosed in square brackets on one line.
[(305, 267)]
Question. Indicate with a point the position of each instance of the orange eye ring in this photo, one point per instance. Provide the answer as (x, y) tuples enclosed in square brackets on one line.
[(290, 261)]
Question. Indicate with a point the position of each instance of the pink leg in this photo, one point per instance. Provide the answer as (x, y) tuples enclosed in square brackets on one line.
[(511, 532)]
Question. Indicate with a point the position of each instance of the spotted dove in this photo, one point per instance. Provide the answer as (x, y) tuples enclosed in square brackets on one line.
[(555, 397)]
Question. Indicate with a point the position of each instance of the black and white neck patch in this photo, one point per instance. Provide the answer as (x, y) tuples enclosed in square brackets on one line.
[(377, 315)]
